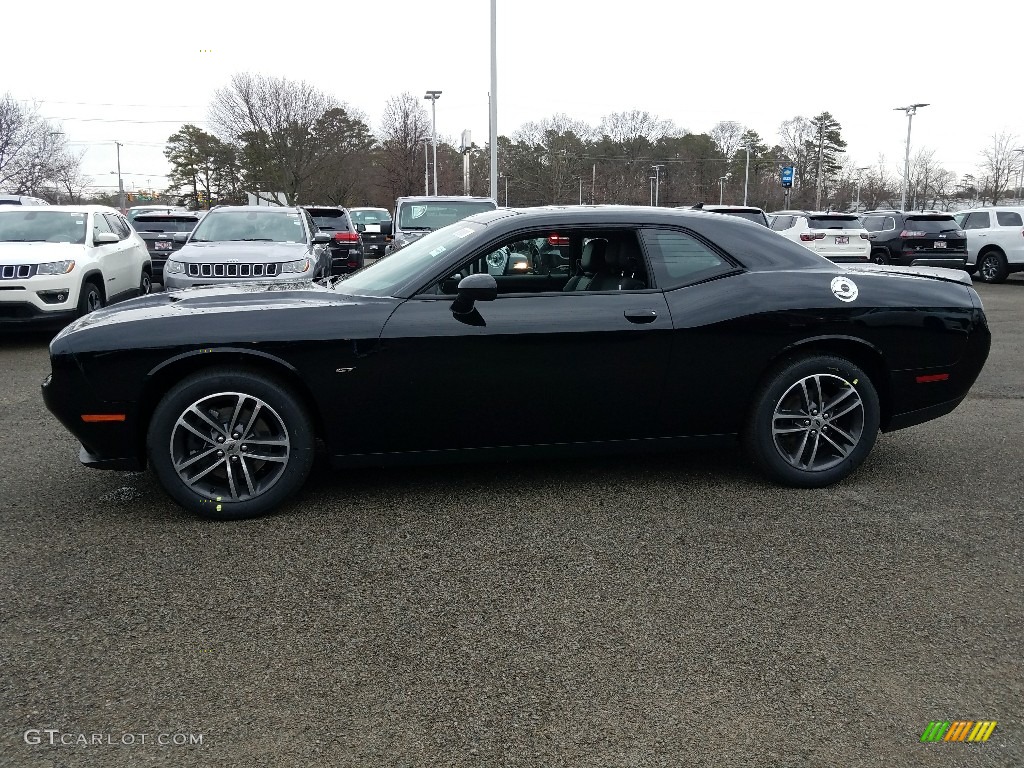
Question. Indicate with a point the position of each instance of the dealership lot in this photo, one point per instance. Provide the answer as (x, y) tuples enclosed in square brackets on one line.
[(675, 610)]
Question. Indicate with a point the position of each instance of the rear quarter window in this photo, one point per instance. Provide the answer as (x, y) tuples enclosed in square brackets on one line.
[(680, 259), (1009, 219)]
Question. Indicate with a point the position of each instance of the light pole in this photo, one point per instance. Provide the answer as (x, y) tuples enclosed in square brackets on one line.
[(493, 104), (120, 183), (746, 175), (911, 110), (426, 165), (505, 177), (860, 173), (432, 97), (657, 181), (721, 187), (652, 189)]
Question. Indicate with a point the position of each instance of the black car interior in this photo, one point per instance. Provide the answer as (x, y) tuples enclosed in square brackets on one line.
[(583, 261)]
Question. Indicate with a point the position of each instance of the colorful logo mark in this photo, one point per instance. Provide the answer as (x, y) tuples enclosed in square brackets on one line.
[(958, 730)]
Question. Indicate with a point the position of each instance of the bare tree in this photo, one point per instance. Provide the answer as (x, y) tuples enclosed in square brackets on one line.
[(998, 164), (628, 128), (728, 136), (794, 136), (278, 125), (33, 150), (402, 130)]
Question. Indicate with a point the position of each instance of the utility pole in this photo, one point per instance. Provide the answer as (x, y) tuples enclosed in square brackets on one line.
[(746, 176), (593, 183), (426, 166)]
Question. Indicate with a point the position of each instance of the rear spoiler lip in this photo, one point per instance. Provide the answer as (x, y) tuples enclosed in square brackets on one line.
[(946, 274)]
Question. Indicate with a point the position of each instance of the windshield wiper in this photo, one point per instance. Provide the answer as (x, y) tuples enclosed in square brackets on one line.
[(27, 240), (251, 240), (417, 229)]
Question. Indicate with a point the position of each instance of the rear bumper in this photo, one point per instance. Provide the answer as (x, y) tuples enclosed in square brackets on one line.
[(956, 262), (851, 259)]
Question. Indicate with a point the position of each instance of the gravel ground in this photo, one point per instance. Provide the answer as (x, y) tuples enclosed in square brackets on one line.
[(669, 611)]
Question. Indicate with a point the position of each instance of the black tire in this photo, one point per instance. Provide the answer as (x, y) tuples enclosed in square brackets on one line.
[(970, 269), (280, 426), (145, 283), (90, 298), (880, 256), (992, 267), (780, 401)]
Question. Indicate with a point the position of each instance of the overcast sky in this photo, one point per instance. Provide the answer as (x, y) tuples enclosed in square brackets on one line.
[(695, 63)]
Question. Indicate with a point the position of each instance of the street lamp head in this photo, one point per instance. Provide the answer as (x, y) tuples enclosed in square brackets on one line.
[(432, 95)]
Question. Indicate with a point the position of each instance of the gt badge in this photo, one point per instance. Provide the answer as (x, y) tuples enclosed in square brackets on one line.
[(844, 288)]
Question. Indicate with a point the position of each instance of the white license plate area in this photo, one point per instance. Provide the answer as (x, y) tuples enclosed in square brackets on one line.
[(842, 239), (373, 227), (940, 243), (162, 245)]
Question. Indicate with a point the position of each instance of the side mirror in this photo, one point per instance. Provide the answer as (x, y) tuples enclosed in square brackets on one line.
[(180, 237), (104, 238), (360, 227), (321, 238), (474, 288)]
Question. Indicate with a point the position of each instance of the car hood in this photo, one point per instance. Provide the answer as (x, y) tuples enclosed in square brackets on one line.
[(229, 300), (37, 253), (253, 253), (936, 273)]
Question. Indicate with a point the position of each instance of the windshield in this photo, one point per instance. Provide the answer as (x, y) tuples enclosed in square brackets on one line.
[(259, 226), (434, 215), (34, 226), (144, 223), (370, 217), (834, 222), (385, 276), (931, 224)]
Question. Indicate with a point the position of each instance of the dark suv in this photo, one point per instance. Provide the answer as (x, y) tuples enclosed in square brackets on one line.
[(916, 239), (157, 228), (346, 243)]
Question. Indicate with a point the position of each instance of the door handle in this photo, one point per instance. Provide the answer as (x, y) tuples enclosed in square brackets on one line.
[(640, 316)]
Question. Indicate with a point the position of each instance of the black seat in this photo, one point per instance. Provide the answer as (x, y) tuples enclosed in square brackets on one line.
[(621, 265), (592, 263)]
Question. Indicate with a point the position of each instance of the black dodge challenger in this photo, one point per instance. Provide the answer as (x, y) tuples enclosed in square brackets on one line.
[(550, 329)]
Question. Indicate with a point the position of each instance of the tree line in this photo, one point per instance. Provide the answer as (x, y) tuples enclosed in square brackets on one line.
[(270, 135)]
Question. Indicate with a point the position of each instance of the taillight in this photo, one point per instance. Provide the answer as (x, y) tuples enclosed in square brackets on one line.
[(346, 237), (865, 236), (810, 236), (558, 240), (912, 233), (353, 264)]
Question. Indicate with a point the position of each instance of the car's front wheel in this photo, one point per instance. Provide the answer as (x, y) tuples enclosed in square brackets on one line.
[(992, 267), (813, 421), (90, 298), (230, 443)]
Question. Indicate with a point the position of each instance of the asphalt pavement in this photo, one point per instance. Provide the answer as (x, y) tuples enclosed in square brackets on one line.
[(667, 611)]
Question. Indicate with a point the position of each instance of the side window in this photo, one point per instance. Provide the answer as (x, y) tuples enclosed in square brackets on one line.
[(959, 218), (545, 261), (889, 223), (873, 223), (977, 220), (1009, 219), (782, 222), (680, 259), (99, 224), (116, 226)]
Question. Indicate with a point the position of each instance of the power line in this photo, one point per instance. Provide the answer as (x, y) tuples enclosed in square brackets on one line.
[(120, 120)]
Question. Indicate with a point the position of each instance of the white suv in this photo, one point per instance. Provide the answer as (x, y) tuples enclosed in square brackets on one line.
[(58, 262), (995, 241), (839, 237)]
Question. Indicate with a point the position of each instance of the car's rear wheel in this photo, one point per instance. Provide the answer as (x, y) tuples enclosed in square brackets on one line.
[(992, 267), (230, 444), (813, 421), (90, 299), (880, 256), (145, 283)]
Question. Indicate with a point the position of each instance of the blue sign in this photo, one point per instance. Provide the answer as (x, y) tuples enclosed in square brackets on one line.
[(786, 176)]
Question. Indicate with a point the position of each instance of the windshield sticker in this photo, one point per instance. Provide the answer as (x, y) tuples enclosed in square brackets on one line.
[(418, 210), (437, 251), (844, 289), (464, 232)]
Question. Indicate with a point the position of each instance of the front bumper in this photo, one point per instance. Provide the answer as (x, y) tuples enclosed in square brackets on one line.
[(17, 314), (180, 282), (21, 301)]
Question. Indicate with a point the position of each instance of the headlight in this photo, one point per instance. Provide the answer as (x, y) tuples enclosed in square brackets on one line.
[(174, 267), (55, 267), (299, 265)]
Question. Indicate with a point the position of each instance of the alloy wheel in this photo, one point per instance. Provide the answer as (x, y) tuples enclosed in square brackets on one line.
[(230, 446), (818, 422)]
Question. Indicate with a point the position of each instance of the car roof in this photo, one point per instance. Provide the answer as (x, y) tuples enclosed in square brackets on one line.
[(162, 213), (311, 206), (269, 208), (444, 199), (67, 208), (1015, 208), (716, 207), (370, 208)]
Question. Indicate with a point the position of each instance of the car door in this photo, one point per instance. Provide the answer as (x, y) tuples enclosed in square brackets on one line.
[(534, 366), (138, 253), (978, 227), (124, 257), (109, 257)]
